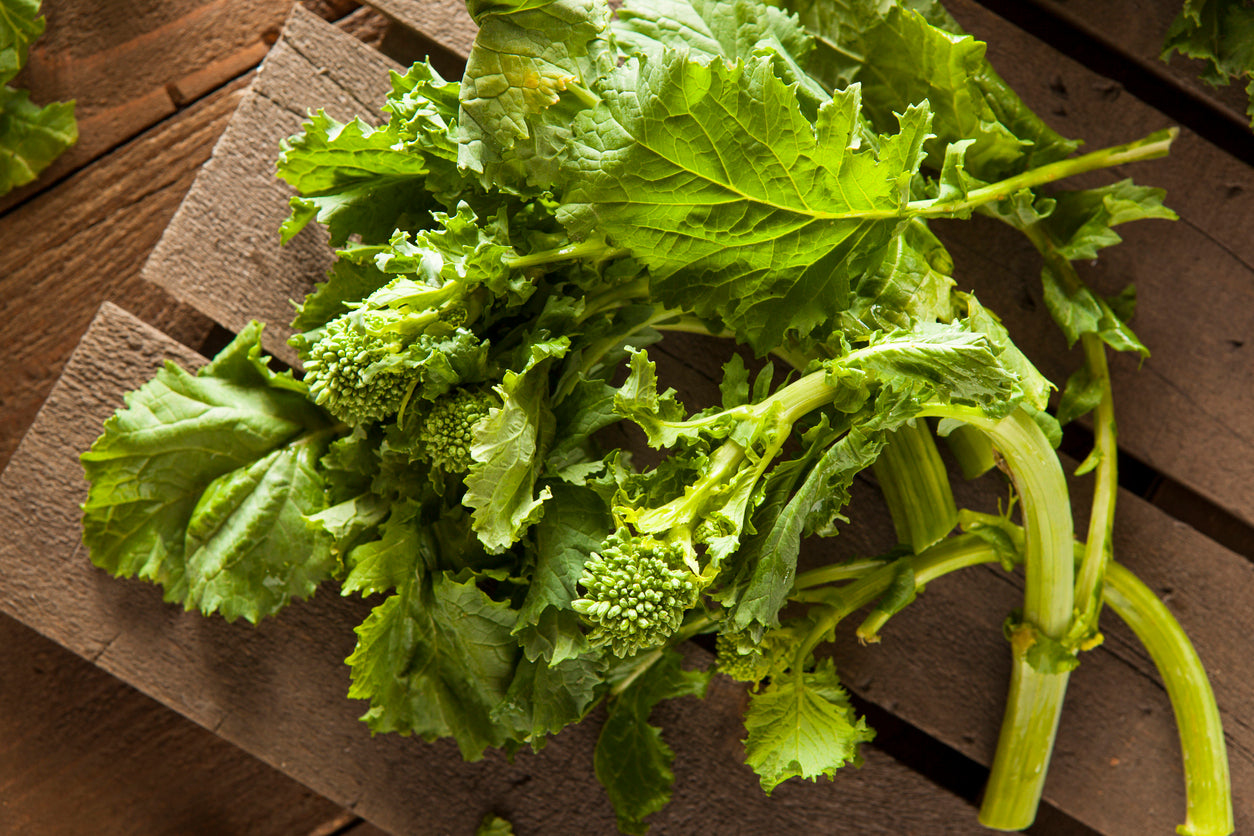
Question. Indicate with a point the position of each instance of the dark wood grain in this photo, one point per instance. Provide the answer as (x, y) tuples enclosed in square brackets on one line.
[(92, 233), (63, 723), (1138, 29), (223, 242), (278, 690), (130, 65)]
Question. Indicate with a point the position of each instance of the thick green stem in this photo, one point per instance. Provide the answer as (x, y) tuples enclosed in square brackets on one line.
[(972, 450), (1192, 699), (592, 248), (1098, 545), (916, 486), (1153, 146), (1034, 704)]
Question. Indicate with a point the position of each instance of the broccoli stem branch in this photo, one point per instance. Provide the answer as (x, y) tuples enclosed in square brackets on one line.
[(1151, 147), (591, 249), (1099, 548), (1034, 703), (1207, 785)]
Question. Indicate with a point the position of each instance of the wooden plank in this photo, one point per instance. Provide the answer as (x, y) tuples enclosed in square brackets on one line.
[(278, 690), (444, 22), (61, 720), (223, 242), (1138, 29), (91, 233), (172, 52)]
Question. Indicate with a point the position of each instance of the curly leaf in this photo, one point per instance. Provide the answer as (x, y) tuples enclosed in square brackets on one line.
[(632, 761), (200, 483), (801, 725), (436, 659), (743, 209)]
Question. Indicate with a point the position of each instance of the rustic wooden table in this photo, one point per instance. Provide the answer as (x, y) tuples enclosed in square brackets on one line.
[(82, 752)]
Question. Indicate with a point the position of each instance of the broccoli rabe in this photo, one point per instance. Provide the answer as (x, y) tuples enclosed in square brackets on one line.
[(638, 590), (446, 429), (350, 374)]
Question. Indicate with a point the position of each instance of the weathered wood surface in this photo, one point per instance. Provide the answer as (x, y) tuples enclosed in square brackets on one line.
[(134, 64), (444, 22), (223, 242), (1138, 29), (278, 690), (81, 751), (83, 241), (66, 720)]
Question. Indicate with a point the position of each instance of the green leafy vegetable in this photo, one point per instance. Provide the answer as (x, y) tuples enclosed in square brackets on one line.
[(509, 245)]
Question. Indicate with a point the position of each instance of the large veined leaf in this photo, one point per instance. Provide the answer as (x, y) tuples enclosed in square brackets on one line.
[(436, 659), (802, 726), (902, 53), (201, 484), (738, 29), (526, 54), (743, 209)]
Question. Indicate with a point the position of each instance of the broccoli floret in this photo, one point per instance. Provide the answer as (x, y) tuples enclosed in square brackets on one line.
[(752, 666), (445, 430), (348, 374), (637, 592)]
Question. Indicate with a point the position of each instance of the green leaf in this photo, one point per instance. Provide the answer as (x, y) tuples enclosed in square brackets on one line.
[(31, 137), (545, 698), (1080, 396), (1036, 386), (940, 361), (249, 548), (588, 408), (639, 400), (801, 725), (494, 825), (525, 56), (633, 763), (353, 178), (508, 451), (910, 282), (903, 53), (1080, 311), (736, 30), (576, 523), (770, 559), (436, 659), (20, 25), (1081, 222), (347, 281), (742, 209), (201, 482), (391, 561)]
